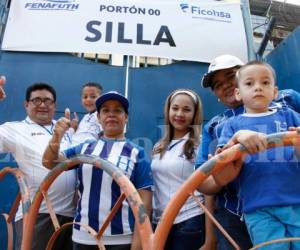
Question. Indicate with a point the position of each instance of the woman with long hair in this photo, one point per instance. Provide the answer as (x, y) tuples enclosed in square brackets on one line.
[(173, 162)]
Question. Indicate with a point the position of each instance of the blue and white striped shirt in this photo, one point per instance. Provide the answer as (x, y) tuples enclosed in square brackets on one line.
[(99, 192)]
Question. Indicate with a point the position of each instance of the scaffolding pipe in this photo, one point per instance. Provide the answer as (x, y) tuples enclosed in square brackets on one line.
[(266, 38)]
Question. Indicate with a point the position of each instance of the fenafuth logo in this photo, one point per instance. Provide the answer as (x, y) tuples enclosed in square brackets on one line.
[(206, 12), (68, 5)]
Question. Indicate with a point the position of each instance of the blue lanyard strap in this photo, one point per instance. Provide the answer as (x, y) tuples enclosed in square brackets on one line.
[(50, 131), (173, 145)]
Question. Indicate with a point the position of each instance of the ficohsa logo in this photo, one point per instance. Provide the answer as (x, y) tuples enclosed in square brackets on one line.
[(206, 12), (69, 5), (184, 7)]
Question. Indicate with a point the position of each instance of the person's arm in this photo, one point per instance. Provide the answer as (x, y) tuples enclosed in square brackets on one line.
[(206, 145), (146, 196), (289, 98), (296, 144), (253, 142), (209, 186), (296, 127), (51, 155), (215, 182), (143, 182), (2, 92)]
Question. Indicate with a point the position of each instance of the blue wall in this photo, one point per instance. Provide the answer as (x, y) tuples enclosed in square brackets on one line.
[(148, 89), (286, 61)]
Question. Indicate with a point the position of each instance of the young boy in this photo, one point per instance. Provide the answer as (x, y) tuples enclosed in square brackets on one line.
[(269, 186), (89, 127)]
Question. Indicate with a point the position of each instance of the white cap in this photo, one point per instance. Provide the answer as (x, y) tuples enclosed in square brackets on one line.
[(219, 63)]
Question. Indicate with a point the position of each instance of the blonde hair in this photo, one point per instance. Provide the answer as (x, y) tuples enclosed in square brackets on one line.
[(195, 128)]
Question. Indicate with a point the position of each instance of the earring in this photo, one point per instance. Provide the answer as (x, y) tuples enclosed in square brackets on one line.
[(219, 100)]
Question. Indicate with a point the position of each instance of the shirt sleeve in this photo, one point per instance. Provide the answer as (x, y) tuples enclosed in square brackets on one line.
[(290, 98), (70, 152), (204, 148), (227, 132), (7, 139), (142, 177), (296, 118)]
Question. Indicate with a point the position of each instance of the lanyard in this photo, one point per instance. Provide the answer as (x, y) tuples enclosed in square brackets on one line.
[(173, 145), (50, 132)]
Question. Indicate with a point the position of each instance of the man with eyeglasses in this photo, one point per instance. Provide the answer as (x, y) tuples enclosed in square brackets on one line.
[(27, 140)]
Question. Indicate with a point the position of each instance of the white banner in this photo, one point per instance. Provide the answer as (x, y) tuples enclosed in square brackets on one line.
[(182, 30)]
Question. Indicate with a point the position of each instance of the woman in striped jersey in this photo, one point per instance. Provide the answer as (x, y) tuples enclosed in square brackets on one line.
[(97, 191)]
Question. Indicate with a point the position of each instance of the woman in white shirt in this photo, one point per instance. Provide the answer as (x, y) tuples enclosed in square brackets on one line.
[(173, 162)]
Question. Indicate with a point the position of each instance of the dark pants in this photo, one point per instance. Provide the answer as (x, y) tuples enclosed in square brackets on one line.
[(187, 235), (77, 246), (235, 228), (43, 231)]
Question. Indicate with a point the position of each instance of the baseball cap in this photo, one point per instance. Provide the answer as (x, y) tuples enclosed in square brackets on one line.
[(112, 95), (219, 63)]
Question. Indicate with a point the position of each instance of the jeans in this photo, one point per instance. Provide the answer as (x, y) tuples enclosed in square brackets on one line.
[(187, 235), (43, 230), (272, 223), (234, 227)]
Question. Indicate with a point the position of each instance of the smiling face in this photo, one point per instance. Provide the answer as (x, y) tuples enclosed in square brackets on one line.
[(89, 94), (256, 88), (223, 86), (113, 119), (181, 114), (44, 112)]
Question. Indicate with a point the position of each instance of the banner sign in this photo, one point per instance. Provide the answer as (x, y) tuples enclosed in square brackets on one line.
[(182, 30)]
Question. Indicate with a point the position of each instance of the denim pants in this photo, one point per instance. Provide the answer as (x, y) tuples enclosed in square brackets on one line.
[(234, 227), (272, 223), (43, 230), (187, 235)]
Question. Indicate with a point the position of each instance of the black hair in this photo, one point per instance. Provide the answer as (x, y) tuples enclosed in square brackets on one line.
[(92, 84), (39, 86)]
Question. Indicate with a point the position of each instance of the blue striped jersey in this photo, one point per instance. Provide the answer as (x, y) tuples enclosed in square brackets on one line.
[(98, 192)]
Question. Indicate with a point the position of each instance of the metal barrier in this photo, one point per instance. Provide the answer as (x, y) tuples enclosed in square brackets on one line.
[(213, 165), (134, 200), (23, 195), (150, 240)]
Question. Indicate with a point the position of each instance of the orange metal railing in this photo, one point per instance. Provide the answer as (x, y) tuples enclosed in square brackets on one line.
[(150, 240), (23, 196)]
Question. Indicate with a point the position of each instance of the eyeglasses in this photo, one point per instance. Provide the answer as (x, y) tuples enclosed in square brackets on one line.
[(37, 101)]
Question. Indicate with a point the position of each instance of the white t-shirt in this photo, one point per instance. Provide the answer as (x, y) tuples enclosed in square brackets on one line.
[(89, 128), (27, 141), (169, 173)]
